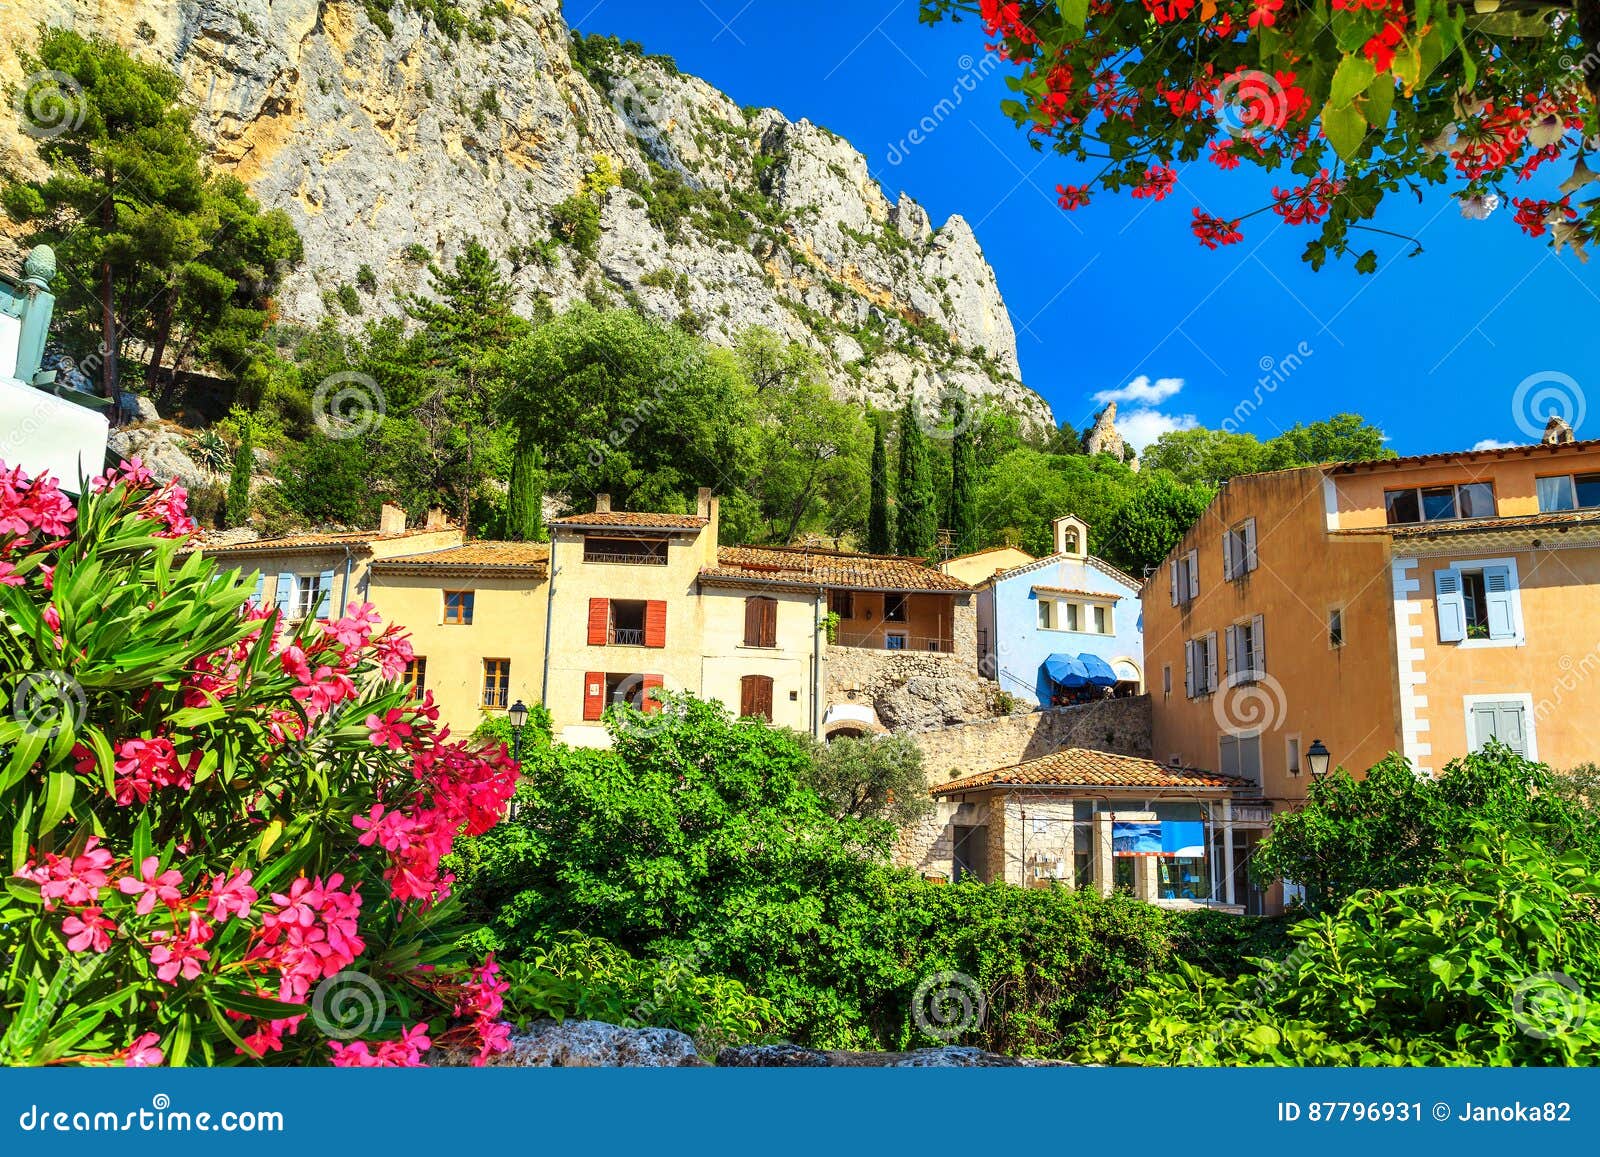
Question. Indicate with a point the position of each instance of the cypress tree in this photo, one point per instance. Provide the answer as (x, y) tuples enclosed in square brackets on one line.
[(525, 503), (237, 512), (963, 515), (916, 523), (880, 532)]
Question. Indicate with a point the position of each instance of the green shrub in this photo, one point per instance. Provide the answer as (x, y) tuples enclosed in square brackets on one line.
[(576, 222)]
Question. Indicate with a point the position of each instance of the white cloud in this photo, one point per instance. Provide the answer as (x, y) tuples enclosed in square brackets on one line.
[(1139, 428), (1490, 444), (1142, 391)]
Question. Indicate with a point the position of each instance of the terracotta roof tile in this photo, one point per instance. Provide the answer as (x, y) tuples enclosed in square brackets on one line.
[(310, 542), (1082, 594), (1080, 767), (638, 518), (479, 557), (796, 566), (1554, 519), (1498, 452)]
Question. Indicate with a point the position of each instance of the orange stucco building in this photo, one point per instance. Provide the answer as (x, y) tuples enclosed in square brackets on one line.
[(1416, 605)]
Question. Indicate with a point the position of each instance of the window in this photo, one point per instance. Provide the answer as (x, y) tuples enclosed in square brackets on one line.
[(1185, 578), (1477, 602), (894, 608), (842, 603), (970, 855), (1240, 756), (1505, 720), (496, 682), (760, 622), (1569, 492), (416, 676), (1166, 679), (1440, 503), (894, 641), (458, 608), (308, 596), (627, 623), (1291, 754), (1239, 550), (755, 697), (1074, 616), (305, 596), (1083, 846), (1247, 659), (1102, 620), (1336, 628), (630, 551), (1047, 615), (1200, 657)]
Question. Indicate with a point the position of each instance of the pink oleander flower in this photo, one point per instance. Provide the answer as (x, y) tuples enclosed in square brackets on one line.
[(150, 887), (405, 1053), (294, 663), (389, 729), (353, 631), (133, 472), (231, 898), (181, 957), (143, 1053), (394, 653), (146, 764), (36, 506), (88, 929), (75, 881)]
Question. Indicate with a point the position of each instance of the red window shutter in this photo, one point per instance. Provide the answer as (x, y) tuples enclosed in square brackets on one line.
[(599, 623), (655, 624), (764, 697), (594, 695), (755, 697), (769, 622), (752, 622), (651, 704)]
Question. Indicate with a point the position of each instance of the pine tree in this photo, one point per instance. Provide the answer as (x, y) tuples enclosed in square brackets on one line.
[(525, 503), (244, 465), (880, 531), (917, 519), (962, 519)]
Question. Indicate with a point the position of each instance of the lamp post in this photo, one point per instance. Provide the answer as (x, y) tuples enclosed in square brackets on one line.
[(519, 719), (1319, 757)]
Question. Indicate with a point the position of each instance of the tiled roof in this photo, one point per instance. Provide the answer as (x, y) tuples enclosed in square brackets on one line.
[(1080, 767), (635, 518), (1468, 455), (1099, 564), (795, 566), (293, 543), (1555, 520), (1080, 594), (984, 551), (479, 557)]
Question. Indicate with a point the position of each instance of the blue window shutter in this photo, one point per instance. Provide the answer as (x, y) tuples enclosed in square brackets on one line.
[(284, 595), (1497, 595), (261, 582), (1452, 607), (323, 607)]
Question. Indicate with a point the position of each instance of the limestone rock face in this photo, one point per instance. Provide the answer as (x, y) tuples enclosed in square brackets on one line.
[(787, 1056), (164, 450), (1105, 438), (392, 148), (588, 1044)]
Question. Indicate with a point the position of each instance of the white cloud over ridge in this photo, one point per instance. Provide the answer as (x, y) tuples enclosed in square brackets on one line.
[(1142, 391), (1490, 444), (1139, 428)]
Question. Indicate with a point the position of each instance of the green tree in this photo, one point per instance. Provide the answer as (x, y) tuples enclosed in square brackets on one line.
[(1026, 489), (1341, 438), (880, 531), (1199, 456), (1153, 521), (916, 506), (871, 778), (962, 519), (244, 468), (525, 502)]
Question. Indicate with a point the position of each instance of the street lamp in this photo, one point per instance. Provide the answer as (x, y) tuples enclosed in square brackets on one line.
[(1319, 757), (519, 718)]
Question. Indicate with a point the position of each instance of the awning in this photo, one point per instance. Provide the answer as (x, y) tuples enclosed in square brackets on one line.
[(1080, 671)]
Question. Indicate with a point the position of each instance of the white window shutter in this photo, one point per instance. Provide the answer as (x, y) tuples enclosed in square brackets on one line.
[(1258, 647), (1231, 643), (1498, 597), (1452, 607), (1190, 670), (1251, 561), (1194, 574), (1227, 556), (1172, 576), (1211, 661)]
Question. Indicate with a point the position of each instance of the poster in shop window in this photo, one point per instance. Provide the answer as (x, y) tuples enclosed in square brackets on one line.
[(1172, 839)]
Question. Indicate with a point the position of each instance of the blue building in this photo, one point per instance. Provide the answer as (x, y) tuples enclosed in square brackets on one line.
[(1062, 629)]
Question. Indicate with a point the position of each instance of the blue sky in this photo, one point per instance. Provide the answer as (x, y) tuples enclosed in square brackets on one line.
[(1117, 299)]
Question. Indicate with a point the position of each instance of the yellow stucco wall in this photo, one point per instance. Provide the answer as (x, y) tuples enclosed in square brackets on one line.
[(977, 568), (929, 618), (1360, 493), (791, 664)]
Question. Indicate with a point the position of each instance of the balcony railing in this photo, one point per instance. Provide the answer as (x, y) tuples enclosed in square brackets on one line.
[(627, 637), (625, 559), (901, 644)]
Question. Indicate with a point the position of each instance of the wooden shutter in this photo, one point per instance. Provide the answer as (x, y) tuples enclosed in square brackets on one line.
[(769, 623), (325, 580), (599, 623), (261, 582), (755, 697), (1230, 642), (1190, 668), (649, 704), (1172, 575), (1258, 647), (1497, 596), (1251, 560), (284, 593), (1211, 661), (594, 695), (655, 623), (1510, 727), (752, 622), (1194, 574), (1228, 563), (1452, 607)]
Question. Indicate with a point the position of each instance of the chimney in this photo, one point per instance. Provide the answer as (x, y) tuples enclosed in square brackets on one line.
[(703, 502), (437, 519), (602, 504), (391, 519)]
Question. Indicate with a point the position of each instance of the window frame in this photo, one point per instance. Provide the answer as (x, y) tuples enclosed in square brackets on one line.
[(1571, 479), (1455, 488), (504, 666), (902, 602), (1522, 699), (415, 675), (303, 607), (1336, 638), (465, 609), (1461, 567)]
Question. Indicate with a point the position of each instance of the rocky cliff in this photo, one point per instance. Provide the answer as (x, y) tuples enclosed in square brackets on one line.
[(393, 142)]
